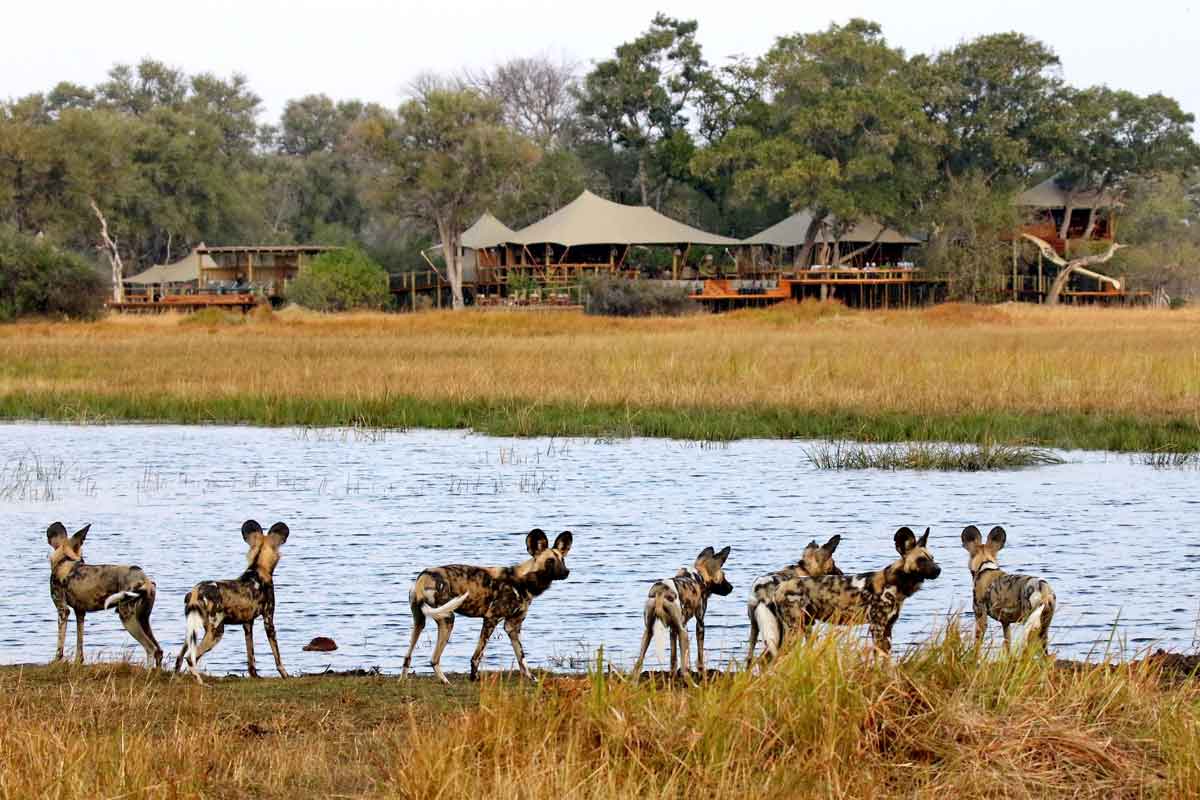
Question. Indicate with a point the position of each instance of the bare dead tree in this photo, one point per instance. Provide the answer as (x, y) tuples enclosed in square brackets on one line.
[(108, 246), (536, 95), (1068, 267)]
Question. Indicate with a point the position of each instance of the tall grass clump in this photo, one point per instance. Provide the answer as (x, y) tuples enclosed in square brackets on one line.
[(617, 297), (929, 456)]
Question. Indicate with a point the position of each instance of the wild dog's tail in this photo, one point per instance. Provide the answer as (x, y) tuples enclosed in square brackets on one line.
[(195, 634), (444, 610), (1037, 624), (126, 596), (768, 627)]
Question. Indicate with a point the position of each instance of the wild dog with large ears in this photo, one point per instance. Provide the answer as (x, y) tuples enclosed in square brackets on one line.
[(212, 604), (671, 603), (1005, 597), (871, 597), (494, 594), (94, 587), (817, 560)]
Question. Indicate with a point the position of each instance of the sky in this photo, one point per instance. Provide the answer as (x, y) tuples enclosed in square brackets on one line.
[(371, 49)]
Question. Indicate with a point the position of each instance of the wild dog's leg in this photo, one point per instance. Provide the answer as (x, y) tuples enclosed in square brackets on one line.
[(269, 624), (700, 643), (647, 635), (78, 636), (129, 618), (512, 626), (445, 626), (1007, 635), (64, 612), (143, 609), (753, 634), (485, 633), (678, 626), (674, 648), (212, 634), (881, 633), (248, 627), (980, 625), (418, 626)]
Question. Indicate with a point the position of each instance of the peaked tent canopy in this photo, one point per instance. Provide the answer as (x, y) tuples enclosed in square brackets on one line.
[(592, 220), (184, 270), (791, 232), (487, 232), (1048, 194)]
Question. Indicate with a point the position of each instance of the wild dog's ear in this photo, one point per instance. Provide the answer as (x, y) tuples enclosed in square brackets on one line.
[(80, 535), (905, 540), (562, 542), (705, 553), (536, 541), (249, 528), (55, 534), (971, 539), (996, 538), (924, 540), (722, 555), (280, 532), (833, 543)]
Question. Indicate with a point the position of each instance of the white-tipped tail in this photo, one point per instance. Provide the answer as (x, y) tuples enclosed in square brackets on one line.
[(768, 628), (195, 634), (444, 610), (1027, 629), (120, 597), (660, 640)]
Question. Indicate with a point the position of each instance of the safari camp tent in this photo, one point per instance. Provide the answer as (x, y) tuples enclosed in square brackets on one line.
[(865, 242), (1048, 203), (591, 234), (175, 277)]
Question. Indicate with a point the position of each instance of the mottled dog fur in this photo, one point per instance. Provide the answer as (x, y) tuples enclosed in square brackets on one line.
[(496, 594), (212, 604), (817, 560), (1005, 597), (95, 587), (671, 603), (871, 597)]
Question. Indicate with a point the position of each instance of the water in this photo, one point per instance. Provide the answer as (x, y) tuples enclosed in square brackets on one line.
[(368, 511)]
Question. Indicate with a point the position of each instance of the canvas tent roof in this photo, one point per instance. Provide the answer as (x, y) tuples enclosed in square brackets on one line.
[(589, 219), (487, 232), (791, 232), (184, 270), (1048, 194)]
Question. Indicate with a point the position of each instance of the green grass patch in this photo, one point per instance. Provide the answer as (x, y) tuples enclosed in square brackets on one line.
[(930, 456)]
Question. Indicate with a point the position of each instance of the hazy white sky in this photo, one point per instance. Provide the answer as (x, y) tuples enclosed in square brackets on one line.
[(370, 48)]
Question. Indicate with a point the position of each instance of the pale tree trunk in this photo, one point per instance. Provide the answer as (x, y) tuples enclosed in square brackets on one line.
[(1064, 229), (451, 250), (642, 180), (843, 259), (109, 246), (1091, 223), (1068, 268), (804, 259)]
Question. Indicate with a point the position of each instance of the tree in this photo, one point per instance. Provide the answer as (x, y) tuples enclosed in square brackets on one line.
[(340, 280), (1161, 223), (444, 158), (536, 97), (635, 102), (844, 135), (974, 218), (1117, 135), (38, 278)]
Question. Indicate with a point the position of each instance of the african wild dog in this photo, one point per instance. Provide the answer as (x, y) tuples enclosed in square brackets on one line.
[(672, 602), (817, 560), (871, 597), (211, 604), (494, 593), (1005, 597), (95, 587)]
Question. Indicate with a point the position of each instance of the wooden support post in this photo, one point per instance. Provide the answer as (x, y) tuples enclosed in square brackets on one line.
[(1041, 283), (1015, 245), (412, 283), (249, 266)]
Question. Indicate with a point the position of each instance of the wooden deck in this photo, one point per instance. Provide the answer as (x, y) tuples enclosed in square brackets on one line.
[(187, 302)]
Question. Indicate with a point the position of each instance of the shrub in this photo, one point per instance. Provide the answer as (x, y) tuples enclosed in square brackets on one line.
[(38, 278), (340, 280), (621, 297)]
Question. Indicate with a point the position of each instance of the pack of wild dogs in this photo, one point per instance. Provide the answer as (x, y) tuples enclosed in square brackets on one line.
[(783, 605)]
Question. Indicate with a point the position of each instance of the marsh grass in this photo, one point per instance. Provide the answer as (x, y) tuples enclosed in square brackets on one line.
[(825, 720), (1124, 380), (929, 456), (1169, 459)]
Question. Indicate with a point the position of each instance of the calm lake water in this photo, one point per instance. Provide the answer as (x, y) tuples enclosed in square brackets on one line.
[(368, 511)]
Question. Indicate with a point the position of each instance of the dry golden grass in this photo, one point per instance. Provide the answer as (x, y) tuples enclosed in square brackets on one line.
[(824, 721), (1021, 370)]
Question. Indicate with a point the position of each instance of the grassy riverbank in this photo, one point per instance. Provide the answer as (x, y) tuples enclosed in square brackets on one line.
[(822, 722), (1092, 378)]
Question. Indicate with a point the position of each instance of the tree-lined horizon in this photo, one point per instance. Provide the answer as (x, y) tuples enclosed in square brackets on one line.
[(151, 161)]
